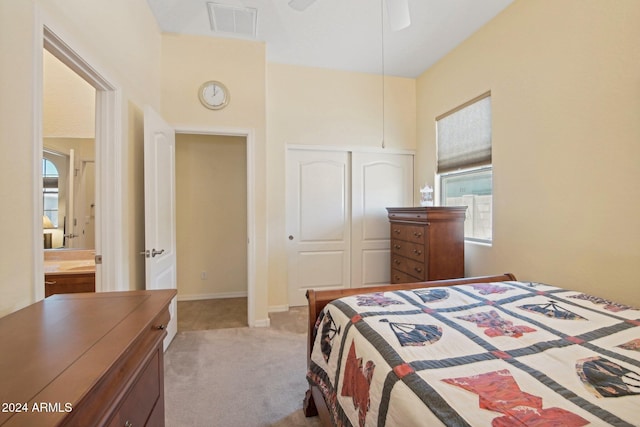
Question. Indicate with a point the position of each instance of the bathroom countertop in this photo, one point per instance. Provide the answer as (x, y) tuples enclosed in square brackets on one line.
[(69, 262), (69, 267)]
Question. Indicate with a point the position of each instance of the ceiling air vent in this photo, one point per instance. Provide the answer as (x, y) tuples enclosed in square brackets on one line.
[(233, 20), (300, 5)]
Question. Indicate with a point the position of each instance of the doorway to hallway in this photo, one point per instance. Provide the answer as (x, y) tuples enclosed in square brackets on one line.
[(211, 217)]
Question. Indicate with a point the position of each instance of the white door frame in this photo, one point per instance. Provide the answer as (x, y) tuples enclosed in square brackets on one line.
[(109, 155), (249, 135)]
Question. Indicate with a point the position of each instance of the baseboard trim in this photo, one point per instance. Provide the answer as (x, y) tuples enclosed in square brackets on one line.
[(277, 308), (217, 295), (264, 323)]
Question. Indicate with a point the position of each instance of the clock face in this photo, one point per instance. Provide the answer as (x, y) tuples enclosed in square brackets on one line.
[(214, 95)]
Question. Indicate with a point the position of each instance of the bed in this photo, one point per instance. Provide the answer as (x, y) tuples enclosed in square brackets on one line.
[(472, 352)]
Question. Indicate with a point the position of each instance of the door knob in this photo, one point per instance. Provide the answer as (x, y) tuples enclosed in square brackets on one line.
[(290, 237), (154, 252)]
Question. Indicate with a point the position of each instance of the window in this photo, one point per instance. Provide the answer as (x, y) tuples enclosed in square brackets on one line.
[(50, 191), (464, 164)]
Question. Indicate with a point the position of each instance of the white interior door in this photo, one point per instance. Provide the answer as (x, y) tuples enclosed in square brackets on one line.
[(160, 210), (318, 221), (85, 205), (379, 180)]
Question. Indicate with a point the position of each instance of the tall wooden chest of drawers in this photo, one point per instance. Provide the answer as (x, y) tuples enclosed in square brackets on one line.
[(427, 243)]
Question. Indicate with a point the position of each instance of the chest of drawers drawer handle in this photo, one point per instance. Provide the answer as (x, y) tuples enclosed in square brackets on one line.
[(128, 424), (396, 230), (417, 252), (396, 262), (396, 246), (417, 234), (418, 269)]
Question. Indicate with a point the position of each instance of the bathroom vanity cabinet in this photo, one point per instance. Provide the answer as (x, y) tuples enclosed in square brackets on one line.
[(85, 359), (69, 271), (67, 283)]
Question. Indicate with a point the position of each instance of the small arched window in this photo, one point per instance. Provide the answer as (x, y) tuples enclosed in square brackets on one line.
[(50, 191)]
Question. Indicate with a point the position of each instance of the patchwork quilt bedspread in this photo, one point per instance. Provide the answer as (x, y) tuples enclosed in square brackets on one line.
[(488, 354)]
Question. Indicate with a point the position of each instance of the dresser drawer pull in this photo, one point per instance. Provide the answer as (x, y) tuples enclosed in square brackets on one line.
[(417, 234), (417, 252), (397, 262), (396, 277), (128, 424), (396, 246), (160, 327), (418, 269), (396, 230), (53, 282)]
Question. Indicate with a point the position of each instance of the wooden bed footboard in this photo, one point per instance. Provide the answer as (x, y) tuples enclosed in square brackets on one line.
[(313, 404)]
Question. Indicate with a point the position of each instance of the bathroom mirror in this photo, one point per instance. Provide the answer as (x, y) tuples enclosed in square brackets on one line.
[(68, 172)]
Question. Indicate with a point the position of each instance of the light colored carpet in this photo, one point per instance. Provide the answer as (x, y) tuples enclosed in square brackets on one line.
[(237, 377), (212, 314)]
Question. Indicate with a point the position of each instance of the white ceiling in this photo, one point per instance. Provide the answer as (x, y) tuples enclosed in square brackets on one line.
[(344, 34)]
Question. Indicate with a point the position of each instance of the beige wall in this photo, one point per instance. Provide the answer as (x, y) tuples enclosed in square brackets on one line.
[(69, 102), (211, 216), (125, 45), (319, 107), (565, 83), (189, 61), (135, 195), (315, 106)]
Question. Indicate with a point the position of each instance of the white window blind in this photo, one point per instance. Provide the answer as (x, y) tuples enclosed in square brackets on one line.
[(464, 136)]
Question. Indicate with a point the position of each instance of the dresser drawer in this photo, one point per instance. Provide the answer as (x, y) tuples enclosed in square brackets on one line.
[(409, 216), (143, 396), (410, 233), (409, 266), (414, 251), (398, 276)]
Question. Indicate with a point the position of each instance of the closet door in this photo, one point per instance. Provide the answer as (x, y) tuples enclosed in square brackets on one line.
[(379, 180), (318, 221)]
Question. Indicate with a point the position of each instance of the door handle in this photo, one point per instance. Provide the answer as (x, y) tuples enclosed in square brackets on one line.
[(154, 252)]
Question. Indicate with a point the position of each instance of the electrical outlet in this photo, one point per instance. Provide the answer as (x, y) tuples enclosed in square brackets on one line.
[(203, 275)]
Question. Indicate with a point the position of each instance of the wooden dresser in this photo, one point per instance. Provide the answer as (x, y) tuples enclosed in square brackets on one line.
[(427, 243), (93, 359)]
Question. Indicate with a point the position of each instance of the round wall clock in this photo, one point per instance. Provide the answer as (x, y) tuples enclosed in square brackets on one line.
[(213, 95)]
